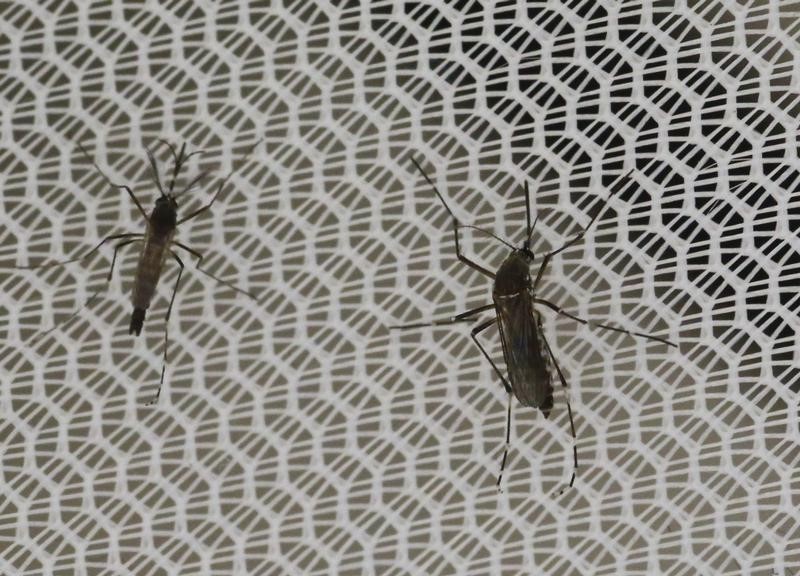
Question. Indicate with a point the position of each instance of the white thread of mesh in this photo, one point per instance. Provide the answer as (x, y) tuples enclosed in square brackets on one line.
[(296, 435)]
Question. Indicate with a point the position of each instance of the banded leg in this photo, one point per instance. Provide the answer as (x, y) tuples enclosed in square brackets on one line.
[(477, 330), (569, 411), (166, 329), (508, 442), (474, 335), (592, 324), (463, 317), (575, 239), (199, 257)]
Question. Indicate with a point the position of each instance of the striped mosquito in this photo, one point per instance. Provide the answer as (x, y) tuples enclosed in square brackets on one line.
[(157, 242), (530, 361)]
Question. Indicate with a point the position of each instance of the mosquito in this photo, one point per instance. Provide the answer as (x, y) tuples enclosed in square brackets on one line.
[(157, 241), (529, 358)]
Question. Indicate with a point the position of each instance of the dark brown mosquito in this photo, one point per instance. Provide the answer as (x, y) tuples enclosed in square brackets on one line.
[(529, 359), (157, 242)]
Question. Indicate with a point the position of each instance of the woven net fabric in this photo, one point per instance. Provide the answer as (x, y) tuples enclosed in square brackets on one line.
[(295, 433)]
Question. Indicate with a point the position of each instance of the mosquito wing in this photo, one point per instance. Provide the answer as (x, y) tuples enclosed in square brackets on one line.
[(524, 351)]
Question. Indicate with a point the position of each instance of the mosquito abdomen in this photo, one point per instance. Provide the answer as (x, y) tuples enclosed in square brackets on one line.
[(148, 271), (137, 321)]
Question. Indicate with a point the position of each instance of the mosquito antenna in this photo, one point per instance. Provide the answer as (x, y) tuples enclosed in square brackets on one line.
[(154, 170), (435, 189)]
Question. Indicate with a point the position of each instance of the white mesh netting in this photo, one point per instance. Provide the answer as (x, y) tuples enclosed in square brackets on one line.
[(296, 434)]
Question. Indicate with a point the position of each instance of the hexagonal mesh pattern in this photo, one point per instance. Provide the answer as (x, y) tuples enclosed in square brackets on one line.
[(295, 433)]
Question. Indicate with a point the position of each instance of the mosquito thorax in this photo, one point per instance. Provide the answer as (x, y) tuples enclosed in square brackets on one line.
[(513, 277), (164, 217)]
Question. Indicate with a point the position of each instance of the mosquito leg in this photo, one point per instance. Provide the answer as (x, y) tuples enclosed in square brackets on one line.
[(193, 182), (207, 206), (591, 324), (508, 443), (199, 257), (463, 317), (217, 193), (464, 259), (574, 239), (82, 257), (473, 312), (569, 411), (117, 186), (474, 335), (456, 225), (166, 329), (97, 292), (446, 322), (477, 330)]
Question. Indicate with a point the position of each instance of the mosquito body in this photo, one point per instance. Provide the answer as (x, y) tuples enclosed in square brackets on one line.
[(530, 363), (155, 250), (521, 334), (157, 242)]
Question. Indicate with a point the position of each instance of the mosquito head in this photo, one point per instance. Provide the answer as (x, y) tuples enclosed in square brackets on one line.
[(164, 217), (525, 252)]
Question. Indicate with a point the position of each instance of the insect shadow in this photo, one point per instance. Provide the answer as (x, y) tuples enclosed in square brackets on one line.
[(157, 242), (529, 359)]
